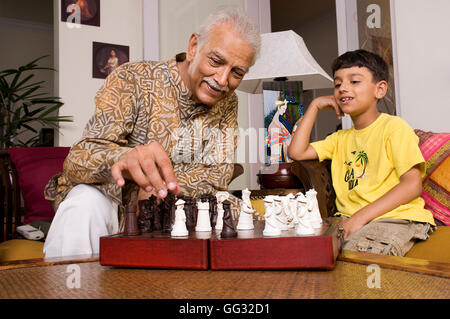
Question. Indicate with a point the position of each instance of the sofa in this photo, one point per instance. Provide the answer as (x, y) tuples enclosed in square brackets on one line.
[(24, 173)]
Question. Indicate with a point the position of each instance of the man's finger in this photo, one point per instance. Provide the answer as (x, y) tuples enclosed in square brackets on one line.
[(165, 167), (149, 166), (116, 173)]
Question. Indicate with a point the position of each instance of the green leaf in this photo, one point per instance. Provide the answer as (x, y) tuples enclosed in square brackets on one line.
[(22, 104)]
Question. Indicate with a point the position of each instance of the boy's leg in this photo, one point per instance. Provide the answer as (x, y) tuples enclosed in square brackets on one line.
[(388, 236), (82, 218)]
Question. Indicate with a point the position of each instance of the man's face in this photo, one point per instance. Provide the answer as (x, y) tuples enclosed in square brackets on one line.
[(217, 68)]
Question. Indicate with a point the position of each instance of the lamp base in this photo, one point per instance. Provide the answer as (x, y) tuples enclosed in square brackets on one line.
[(278, 176)]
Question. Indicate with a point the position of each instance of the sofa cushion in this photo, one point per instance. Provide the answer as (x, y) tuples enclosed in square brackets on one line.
[(435, 248), (35, 166), (19, 249), (435, 149)]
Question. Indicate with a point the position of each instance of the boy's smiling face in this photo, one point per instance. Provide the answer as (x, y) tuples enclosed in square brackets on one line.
[(356, 92)]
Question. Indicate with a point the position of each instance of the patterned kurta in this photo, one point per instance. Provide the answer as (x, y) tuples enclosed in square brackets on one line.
[(144, 102)]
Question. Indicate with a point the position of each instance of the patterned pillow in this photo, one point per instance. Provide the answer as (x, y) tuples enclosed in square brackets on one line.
[(435, 149)]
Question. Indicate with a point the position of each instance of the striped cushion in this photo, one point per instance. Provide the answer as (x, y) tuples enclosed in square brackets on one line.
[(435, 149)]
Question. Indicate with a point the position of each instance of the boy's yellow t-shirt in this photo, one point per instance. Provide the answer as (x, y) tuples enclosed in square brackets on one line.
[(367, 163)]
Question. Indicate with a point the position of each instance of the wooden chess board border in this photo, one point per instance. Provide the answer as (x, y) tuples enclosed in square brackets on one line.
[(206, 250)]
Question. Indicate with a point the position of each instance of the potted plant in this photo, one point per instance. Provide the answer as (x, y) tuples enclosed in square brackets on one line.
[(21, 105)]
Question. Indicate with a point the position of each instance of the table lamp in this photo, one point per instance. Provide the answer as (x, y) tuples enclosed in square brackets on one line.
[(283, 56)]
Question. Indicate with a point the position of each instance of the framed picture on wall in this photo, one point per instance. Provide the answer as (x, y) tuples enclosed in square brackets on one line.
[(106, 57), (375, 35), (85, 12)]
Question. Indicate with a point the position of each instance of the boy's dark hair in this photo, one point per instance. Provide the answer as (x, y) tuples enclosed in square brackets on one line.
[(360, 58)]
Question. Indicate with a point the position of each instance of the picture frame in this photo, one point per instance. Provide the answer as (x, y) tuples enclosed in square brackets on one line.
[(283, 110), (86, 12), (106, 57)]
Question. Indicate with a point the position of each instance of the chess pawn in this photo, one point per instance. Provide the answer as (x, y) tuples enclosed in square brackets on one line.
[(179, 228), (303, 226), (228, 230), (203, 220), (131, 225), (219, 223), (245, 221), (271, 224), (313, 207), (221, 196)]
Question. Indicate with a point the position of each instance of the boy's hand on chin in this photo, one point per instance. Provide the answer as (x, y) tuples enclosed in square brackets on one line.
[(328, 103)]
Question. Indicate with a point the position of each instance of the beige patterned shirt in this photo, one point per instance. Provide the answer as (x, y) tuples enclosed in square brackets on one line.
[(144, 102)]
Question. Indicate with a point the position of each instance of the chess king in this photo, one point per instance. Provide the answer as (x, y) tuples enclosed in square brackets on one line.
[(135, 143), (245, 221)]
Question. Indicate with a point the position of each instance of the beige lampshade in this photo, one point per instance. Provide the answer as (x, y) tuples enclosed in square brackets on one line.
[(284, 54)]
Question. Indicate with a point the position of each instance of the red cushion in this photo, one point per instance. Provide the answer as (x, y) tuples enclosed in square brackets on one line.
[(35, 166)]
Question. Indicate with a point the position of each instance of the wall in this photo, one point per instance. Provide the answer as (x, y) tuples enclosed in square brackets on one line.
[(320, 36), (423, 48), (120, 23)]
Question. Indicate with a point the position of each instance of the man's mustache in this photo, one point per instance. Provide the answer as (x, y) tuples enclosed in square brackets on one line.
[(216, 86)]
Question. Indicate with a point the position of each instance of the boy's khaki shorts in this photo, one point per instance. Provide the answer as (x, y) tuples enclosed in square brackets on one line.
[(388, 236)]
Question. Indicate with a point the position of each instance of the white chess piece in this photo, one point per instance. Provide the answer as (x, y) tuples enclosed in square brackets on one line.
[(203, 220), (313, 207), (281, 203), (279, 214), (245, 221), (303, 226), (221, 196), (292, 211), (271, 224), (179, 228)]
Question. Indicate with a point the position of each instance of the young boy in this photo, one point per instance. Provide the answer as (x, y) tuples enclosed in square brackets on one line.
[(377, 166)]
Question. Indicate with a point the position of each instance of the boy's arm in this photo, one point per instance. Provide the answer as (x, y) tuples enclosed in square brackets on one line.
[(409, 188), (300, 149)]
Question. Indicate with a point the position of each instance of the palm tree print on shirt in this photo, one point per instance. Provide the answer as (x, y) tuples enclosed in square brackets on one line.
[(362, 160)]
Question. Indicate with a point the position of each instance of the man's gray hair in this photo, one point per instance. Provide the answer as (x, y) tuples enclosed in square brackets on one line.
[(239, 21)]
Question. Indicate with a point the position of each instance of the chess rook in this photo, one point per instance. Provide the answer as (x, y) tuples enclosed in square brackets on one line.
[(203, 218), (131, 225)]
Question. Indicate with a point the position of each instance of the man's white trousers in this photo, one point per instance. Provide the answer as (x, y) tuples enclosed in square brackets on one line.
[(81, 219)]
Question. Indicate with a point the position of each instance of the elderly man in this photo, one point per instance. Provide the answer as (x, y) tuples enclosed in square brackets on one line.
[(158, 127)]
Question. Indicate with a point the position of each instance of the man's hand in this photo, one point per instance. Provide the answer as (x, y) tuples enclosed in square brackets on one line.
[(150, 167)]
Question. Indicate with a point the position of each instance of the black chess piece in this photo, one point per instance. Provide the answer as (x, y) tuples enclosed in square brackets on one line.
[(131, 225), (213, 210), (190, 209), (228, 230), (153, 207), (145, 216), (167, 216)]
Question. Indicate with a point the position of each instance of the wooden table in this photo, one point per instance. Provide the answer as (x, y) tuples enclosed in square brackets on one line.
[(49, 279)]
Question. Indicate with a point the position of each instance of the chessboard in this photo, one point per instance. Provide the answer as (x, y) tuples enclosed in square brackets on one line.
[(250, 249)]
